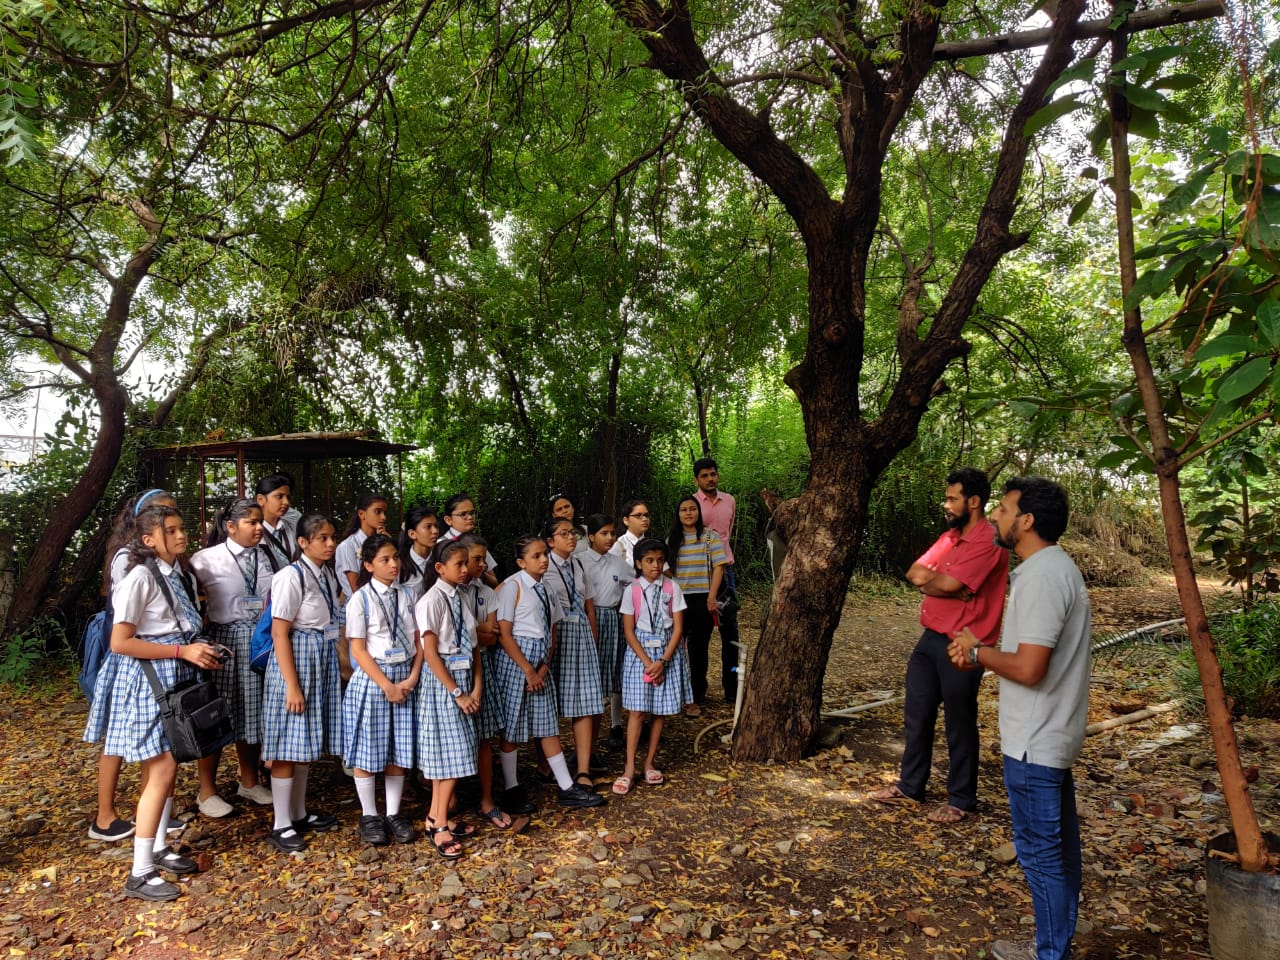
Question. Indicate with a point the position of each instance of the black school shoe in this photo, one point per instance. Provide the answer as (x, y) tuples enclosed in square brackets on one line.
[(169, 861), (374, 830), (119, 830), (319, 822), (401, 828), (143, 889), (516, 801), (579, 796), (286, 840)]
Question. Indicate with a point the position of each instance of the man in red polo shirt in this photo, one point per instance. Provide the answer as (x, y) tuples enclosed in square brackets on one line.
[(718, 514), (963, 577)]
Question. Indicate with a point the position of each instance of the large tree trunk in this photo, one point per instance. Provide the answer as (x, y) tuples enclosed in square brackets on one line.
[(1235, 789)]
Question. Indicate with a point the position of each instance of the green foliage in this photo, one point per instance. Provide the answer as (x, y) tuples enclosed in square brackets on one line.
[(1248, 649), (24, 655)]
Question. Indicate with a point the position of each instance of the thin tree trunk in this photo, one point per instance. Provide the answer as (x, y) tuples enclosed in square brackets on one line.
[(609, 439), (1235, 790), (701, 399)]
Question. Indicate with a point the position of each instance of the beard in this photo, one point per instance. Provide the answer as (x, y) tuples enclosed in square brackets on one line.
[(1000, 541), (955, 522)]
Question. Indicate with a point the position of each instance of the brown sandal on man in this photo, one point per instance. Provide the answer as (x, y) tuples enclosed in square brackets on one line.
[(948, 814), (893, 794)]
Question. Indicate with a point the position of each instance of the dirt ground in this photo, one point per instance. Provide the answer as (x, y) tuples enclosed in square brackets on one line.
[(722, 861)]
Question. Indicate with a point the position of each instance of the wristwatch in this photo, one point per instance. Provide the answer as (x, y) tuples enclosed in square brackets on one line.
[(456, 692), (973, 654)]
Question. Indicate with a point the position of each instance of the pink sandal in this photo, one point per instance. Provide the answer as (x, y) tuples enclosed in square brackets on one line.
[(622, 786), (653, 776)]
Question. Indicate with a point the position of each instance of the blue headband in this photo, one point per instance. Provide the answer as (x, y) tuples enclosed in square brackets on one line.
[(148, 495)]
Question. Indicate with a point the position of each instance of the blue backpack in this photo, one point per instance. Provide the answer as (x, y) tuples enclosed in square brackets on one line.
[(95, 645), (261, 646)]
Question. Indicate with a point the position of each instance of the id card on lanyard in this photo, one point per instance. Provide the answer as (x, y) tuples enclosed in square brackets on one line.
[(331, 628), (396, 653), (573, 613)]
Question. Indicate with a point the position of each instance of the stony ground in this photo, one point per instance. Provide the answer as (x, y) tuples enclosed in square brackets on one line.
[(723, 861)]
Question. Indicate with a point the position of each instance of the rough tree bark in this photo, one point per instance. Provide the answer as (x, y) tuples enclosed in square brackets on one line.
[(825, 525), (1251, 845)]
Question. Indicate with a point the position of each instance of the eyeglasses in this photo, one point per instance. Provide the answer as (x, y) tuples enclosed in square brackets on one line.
[(464, 514), (638, 516), (565, 533)]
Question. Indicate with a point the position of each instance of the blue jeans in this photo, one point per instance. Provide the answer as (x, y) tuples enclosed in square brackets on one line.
[(1046, 834)]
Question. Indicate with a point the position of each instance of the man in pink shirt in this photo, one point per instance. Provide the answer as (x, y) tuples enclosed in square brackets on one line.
[(718, 513), (963, 578)]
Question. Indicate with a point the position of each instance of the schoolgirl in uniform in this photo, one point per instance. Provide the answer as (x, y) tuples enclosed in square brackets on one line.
[(608, 576), (635, 518), (698, 562), (370, 517), (577, 658), (273, 494), (301, 703), (160, 625), (449, 695), (561, 508), (459, 515), (106, 825), (378, 708), (235, 573), (481, 600), (655, 673), (417, 539), (527, 623)]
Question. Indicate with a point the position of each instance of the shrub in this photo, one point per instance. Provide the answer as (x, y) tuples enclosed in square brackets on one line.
[(1248, 644)]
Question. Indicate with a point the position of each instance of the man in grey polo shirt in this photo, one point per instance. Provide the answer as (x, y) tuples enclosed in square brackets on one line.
[(1043, 665)]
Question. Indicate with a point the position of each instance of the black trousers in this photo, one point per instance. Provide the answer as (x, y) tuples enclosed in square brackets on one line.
[(932, 680)]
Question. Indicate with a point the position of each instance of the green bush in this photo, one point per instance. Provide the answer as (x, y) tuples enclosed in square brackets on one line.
[(1248, 645)]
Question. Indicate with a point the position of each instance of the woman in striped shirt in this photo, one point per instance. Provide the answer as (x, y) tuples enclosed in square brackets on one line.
[(698, 561)]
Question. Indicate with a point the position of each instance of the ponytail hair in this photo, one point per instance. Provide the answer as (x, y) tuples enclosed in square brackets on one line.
[(235, 511), (308, 528), (122, 528), (273, 482), (525, 542), (368, 550), (148, 520), (416, 514), (364, 503)]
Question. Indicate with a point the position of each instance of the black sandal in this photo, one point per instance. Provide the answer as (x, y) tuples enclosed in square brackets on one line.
[(451, 849), (585, 780)]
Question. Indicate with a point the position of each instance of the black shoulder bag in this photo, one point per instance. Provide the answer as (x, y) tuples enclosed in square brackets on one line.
[(197, 719)]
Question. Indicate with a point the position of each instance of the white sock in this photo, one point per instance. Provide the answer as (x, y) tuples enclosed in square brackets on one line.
[(143, 856), (615, 710), (395, 792), (281, 795), (160, 842), (298, 805), (508, 761), (561, 770), (367, 791)]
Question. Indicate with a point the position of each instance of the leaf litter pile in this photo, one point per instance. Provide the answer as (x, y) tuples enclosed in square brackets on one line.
[(721, 861)]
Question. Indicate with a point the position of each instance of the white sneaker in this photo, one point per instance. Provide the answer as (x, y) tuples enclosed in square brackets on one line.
[(1008, 950), (214, 806), (258, 794)]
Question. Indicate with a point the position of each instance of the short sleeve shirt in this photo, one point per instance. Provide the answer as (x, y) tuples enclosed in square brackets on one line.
[(973, 559), (309, 602), (435, 616), (528, 616), (382, 603), (139, 600), (648, 601)]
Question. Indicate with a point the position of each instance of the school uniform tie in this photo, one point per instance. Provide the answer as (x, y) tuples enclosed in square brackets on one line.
[(186, 606), (247, 562), (655, 607), (459, 624), (541, 591)]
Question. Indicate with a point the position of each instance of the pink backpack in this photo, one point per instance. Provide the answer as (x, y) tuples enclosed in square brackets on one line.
[(637, 596)]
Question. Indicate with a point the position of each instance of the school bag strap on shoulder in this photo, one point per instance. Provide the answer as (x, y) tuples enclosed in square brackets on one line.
[(261, 644), (637, 595), (166, 590)]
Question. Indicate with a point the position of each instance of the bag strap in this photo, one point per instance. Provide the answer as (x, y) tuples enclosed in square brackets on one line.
[(157, 691), (167, 591)]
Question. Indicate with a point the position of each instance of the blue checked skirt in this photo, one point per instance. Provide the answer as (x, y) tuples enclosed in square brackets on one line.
[(447, 737), (100, 710), (612, 645), (577, 669), (241, 687), (307, 736), (525, 715), (133, 726), (661, 699), (375, 731), (492, 721)]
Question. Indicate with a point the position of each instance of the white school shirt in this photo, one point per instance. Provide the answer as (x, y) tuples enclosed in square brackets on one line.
[(376, 631), (412, 586), (119, 567), (556, 580), (624, 546), (481, 599), (303, 603), (219, 572), (646, 600), (346, 559), (139, 600), (288, 541), (609, 575), (453, 534), (526, 618), (435, 615)]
